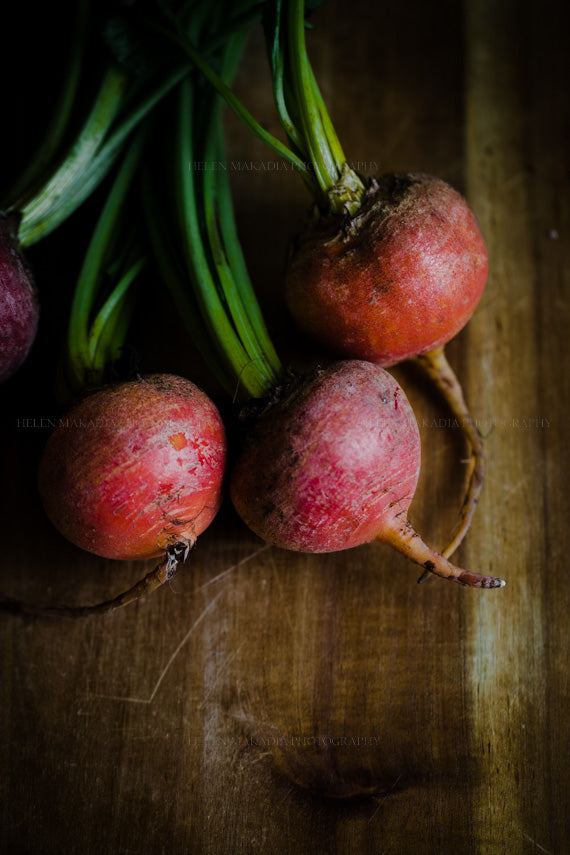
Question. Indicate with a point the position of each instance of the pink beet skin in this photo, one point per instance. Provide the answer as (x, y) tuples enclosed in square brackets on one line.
[(135, 468), (399, 279), (333, 464), (19, 310)]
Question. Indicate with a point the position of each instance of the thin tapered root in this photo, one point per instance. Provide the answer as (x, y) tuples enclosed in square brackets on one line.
[(163, 572), (438, 369), (406, 540)]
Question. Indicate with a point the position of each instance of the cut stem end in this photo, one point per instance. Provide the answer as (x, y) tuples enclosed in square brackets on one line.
[(346, 195)]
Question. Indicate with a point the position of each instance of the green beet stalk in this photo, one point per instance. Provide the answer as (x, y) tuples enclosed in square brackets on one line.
[(217, 302), (100, 312)]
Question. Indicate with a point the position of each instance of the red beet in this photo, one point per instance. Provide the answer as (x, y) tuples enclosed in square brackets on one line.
[(334, 465), (398, 279), (19, 309), (135, 468)]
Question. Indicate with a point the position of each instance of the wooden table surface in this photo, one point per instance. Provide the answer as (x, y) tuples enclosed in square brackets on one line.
[(269, 702)]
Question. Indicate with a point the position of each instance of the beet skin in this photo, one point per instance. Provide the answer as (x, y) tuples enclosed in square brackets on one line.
[(334, 465), (400, 278), (135, 468), (19, 308), (331, 465)]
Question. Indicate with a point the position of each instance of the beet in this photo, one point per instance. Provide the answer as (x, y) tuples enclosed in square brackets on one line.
[(133, 471), (398, 279), (334, 465), (135, 468), (19, 309)]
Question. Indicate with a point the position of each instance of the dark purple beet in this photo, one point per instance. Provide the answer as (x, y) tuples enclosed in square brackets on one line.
[(19, 308)]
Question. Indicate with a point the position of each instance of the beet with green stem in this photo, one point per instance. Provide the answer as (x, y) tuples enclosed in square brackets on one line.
[(386, 269), (144, 478), (365, 277), (334, 463), (389, 269), (134, 470), (397, 279)]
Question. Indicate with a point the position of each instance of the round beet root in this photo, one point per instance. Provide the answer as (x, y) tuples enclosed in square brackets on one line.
[(336, 461), (398, 279), (19, 308), (136, 468), (335, 465)]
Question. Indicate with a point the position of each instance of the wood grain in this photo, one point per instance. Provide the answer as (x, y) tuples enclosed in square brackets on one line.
[(269, 702)]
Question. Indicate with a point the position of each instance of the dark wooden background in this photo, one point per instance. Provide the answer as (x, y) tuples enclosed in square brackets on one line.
[(268, 702)]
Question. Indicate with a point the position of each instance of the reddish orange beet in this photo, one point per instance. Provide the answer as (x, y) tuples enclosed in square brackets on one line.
[(398, 279), (135, 468)]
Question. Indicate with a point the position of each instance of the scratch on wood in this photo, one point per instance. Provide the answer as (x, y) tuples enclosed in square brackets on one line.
[(515, 488), (513, 182), (173, 656), (227, 572), (534, 843), (199, 619), (223, 670), (260, 757)]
